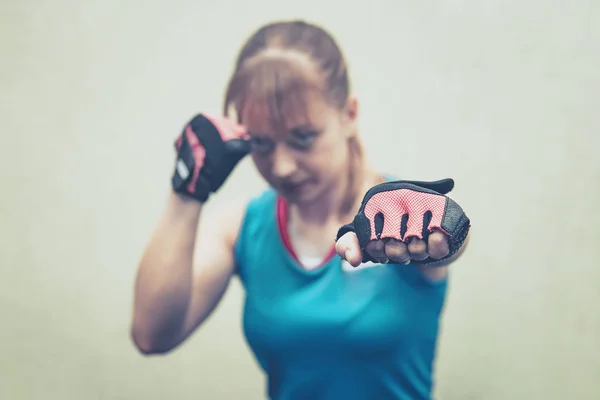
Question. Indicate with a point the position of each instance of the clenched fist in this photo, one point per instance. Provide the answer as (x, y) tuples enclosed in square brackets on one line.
[(405, 222)]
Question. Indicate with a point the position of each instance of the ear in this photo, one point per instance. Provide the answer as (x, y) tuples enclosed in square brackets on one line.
[(351, 115), (352, 108)]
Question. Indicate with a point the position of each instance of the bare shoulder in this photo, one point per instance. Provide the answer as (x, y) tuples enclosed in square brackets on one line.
[(223, 222)]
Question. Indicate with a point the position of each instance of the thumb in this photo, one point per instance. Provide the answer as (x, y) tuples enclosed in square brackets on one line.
[(348, 248)]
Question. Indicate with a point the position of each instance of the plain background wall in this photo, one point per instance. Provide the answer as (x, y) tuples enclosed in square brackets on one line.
[(500, 95)]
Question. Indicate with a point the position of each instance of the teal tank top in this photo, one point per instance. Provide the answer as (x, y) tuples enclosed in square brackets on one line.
[(333, 333)]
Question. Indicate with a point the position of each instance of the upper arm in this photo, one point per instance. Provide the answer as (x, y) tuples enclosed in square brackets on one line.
[(214, 260)]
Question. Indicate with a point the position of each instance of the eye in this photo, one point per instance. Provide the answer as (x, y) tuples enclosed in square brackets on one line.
[(302, 139), (260, 145)]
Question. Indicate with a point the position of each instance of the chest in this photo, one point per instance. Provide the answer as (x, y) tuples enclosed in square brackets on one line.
[(369, 312)]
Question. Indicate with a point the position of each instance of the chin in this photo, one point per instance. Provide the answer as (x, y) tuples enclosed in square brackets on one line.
[(304, 196)]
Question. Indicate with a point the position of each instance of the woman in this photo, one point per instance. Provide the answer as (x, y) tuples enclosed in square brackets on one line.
[(325, 319)]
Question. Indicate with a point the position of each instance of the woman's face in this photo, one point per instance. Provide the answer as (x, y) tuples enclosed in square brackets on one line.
[(302, 153)]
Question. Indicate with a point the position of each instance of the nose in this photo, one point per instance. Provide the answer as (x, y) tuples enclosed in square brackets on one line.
[(284, 163)]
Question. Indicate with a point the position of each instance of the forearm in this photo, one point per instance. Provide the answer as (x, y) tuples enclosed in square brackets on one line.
[(164, 278)]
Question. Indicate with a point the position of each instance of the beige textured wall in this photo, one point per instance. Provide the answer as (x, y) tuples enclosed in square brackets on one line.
[(500, 95)]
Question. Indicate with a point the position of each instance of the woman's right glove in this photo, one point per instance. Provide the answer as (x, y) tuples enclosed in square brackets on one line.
[(208, 149), (401, 210)]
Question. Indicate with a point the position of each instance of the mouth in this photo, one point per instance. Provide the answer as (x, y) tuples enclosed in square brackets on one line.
[(293, 188)]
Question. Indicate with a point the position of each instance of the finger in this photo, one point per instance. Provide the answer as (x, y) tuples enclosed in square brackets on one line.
[(437, 245), (397, 251), (376, 249), (417, 249), (348, 248), (239, 129)]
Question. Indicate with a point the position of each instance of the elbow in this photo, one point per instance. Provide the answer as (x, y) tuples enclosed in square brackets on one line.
[(142, 343), (144, 347), (146, 344)]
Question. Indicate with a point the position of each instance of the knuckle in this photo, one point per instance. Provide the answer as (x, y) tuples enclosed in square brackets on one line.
[(437, 255), (376, 250), (417, 246), (438, 245), (393, 244), (437, 239), (395, 250), (375, 246), (438, 252)]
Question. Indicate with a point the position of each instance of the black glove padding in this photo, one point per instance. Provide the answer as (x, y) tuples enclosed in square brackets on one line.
[(208, 149), (404, 209)]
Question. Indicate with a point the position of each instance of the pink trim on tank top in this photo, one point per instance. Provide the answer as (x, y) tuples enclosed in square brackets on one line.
[(281, 210)]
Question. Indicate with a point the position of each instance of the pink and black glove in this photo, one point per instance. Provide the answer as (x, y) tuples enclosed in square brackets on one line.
[(208, 150), (404, 209)]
